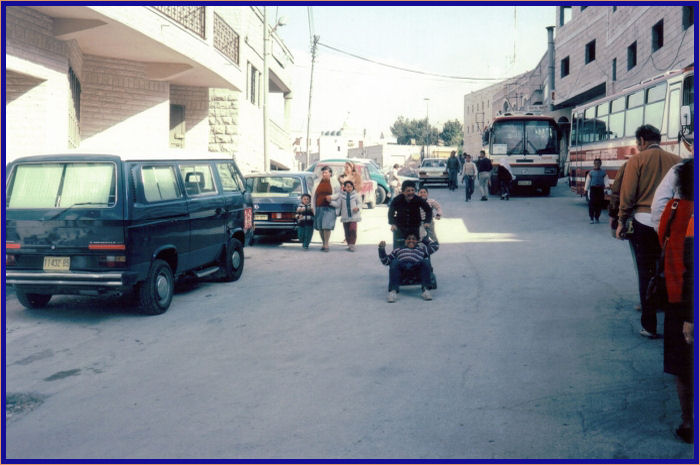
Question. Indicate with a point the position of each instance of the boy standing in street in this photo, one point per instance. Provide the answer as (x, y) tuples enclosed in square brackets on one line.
[(484, 167), (305, 221)]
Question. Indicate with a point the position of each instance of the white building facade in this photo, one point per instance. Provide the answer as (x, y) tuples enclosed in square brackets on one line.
[(143, 78)]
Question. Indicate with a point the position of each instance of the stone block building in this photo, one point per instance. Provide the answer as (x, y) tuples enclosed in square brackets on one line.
[(593, 51), (143, 78)]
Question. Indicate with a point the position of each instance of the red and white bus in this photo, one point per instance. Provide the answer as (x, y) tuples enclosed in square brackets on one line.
[(531, 145), (605, 128)]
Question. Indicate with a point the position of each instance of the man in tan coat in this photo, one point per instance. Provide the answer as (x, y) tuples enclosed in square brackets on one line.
[(643, 174)]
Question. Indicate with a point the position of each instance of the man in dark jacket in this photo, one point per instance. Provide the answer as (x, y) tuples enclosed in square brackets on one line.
[(453, 167), (404, 213), (484, 167)]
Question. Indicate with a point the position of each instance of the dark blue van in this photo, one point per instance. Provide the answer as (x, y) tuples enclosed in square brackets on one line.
[(92, 224)]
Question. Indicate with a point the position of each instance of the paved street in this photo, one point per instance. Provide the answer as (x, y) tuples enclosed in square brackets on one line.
[(530, 349)]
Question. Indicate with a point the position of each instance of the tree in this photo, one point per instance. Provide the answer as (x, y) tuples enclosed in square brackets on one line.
[(452, 133), (414, 131)]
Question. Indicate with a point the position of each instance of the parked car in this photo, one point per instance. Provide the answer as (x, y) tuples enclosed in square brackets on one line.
[(433, 170), (405, 174), (276, 196), (367, 190), (93, 224)]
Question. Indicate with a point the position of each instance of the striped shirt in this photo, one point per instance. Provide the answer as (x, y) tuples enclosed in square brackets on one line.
[(407, 255)]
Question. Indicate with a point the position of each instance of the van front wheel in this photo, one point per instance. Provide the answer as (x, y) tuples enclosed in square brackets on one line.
[(233, 261), (32, 300), (156, 293)]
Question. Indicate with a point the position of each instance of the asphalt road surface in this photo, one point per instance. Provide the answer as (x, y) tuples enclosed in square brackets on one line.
[(529, 350)]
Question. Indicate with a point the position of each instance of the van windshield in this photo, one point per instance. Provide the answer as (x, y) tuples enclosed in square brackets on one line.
[(275, 186), (62, 185)]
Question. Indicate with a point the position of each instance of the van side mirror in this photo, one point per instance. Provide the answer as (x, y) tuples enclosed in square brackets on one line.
[(686, 116)]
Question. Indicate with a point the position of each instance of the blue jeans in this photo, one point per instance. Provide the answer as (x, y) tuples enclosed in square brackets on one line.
[(305, 232), (397, 268), (469, 188)]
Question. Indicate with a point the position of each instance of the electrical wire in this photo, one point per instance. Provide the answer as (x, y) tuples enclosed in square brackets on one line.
[(408, 70)]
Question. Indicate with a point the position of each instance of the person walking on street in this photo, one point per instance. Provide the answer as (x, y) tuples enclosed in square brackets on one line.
[(394, 180), (643, 174), (348, 205), (305, 221), (596, 183), (405, 213), (324, 213), (469, 174), (452, 170), (484, 167)]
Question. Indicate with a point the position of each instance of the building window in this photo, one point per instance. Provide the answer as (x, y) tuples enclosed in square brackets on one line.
[(657, 36), (565, 67), (177, 126), (590, 51), (614, 69), (253, 88), (688, 16), (74, 110), (564, 15), (632, 55)]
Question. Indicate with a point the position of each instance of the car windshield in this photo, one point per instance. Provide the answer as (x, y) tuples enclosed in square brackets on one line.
[(62, 185), (433, 164), (275, 186)]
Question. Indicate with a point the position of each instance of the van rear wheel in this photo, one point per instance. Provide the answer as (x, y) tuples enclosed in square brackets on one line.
[(30, 300), (233, 261), (156, 293)]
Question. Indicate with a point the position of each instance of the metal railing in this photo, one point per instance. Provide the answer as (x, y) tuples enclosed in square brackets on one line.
[(190, 17), (226, 40)]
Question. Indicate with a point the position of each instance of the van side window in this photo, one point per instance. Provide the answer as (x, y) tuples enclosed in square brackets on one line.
[(228, 177), (160, 183), (198, 179)]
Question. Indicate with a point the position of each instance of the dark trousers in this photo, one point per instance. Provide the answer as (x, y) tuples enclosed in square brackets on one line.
[(645, 244), (396, 268), (350, 232), (452, 180), (469, 189), (596, 201), (505, 187), (305, 232)]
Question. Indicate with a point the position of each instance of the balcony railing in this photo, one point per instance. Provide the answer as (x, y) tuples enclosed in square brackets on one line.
[(226, 40), (190, 17)]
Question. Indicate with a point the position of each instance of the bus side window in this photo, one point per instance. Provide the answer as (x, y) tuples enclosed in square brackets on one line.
[(654, 111), (574, 130), (674, 111)]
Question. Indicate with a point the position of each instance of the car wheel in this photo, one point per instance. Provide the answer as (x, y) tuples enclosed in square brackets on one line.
[(545, 190), (30, 300), (381, 195), (233, 264), (156, 293)]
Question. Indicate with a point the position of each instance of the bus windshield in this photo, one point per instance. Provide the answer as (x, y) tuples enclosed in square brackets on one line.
[(524, 137)]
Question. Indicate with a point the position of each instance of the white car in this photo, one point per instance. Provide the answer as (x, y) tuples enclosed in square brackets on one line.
[(433, 170)]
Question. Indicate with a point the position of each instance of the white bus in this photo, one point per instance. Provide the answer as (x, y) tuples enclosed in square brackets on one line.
[(531, 145)]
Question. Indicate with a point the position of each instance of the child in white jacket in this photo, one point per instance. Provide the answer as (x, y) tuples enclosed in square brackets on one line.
[(348, 204)]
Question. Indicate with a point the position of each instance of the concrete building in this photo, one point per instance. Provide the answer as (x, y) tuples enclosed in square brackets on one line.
[(595, 51), (144, 78)]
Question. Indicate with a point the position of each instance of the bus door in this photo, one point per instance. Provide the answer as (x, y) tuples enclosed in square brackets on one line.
[(575, 153)]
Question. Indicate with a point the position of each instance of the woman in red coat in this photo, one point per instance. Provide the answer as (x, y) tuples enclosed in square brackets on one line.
[(678, 271)]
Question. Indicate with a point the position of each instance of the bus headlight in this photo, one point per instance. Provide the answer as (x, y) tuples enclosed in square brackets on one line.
[(551, 170)]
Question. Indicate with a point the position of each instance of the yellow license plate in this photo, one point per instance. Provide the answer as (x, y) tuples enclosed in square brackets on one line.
[(56, 263), (260, 217)]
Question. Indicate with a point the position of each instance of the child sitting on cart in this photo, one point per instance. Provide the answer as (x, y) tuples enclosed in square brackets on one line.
[(411, 258)]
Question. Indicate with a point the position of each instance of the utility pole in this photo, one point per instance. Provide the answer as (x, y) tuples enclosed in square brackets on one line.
[(311, 86)]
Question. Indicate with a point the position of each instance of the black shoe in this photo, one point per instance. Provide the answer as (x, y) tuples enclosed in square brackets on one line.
[(685, 434)]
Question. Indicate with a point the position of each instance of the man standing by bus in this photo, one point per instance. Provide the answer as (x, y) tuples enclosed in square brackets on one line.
[(484, 166), (643, 174)]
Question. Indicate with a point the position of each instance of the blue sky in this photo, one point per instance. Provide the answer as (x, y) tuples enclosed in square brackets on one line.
[(474, 41)]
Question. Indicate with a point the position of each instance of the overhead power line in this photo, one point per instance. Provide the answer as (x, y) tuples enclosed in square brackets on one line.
[(408, 70)]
